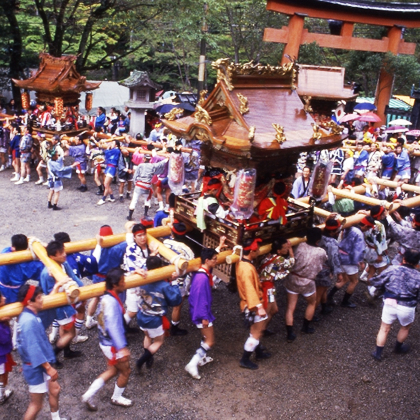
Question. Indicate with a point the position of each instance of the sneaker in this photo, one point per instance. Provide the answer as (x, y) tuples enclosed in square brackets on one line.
[(79, 339), (20, 182), (121, 401), (128, 196), (205, 360), (2, 168), (110, 199), (90, 405), (57, 365), (247, 364), (121, 199), (39, 182), (45, 183), (100, 202), (149, 362), (176, 331), (27, 179), (405, 348), (7, 394), (15, 178), (193, 371), (91, 324), (376, 357), (53, 337), (348, 304)]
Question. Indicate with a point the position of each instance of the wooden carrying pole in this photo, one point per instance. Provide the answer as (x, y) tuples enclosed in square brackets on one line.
[(95, 290), (317, 210), (167, 253), (393, 184), (363, 199), (360, 189), (80, 246)]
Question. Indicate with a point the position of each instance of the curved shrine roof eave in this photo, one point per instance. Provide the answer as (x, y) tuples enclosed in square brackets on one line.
[(396, 12), (139, 78)]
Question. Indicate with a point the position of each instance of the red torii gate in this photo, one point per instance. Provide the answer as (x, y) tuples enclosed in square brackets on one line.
[(394, 16)]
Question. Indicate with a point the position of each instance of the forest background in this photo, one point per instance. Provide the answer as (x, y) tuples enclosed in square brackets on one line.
[(113, 37)]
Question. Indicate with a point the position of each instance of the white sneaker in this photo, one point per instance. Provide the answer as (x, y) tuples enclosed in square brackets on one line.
[(53, 336), (122, 401), (111, 200), (2, 168), (27, 179), (7, 394), (39, 182), (20, 182), (100, 202), (45, 183), (79, 339), (205, 360), (90, 324), (15, 178), (192, 367)]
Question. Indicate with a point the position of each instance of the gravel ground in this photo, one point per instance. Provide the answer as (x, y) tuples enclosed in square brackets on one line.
[(327, 375)]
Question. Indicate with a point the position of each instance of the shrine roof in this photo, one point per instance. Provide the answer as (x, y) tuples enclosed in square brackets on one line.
[(139, 78), (57, 76), (254, 109)]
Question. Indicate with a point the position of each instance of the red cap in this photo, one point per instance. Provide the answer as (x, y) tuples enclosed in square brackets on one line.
[(105, 231)]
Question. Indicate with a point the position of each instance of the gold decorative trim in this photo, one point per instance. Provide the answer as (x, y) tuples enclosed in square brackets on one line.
[(335, 128), (316, 132), (251, 134), (227, 69), (202, 99), (171, 115), (202, 116), (280, 137), (243, 108), (221, 102), (202, 135), (307, 104)]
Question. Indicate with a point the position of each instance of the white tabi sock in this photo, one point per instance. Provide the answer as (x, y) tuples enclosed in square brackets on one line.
[(97, 384), (251, 343), (117, 392), (78, 324), (56, 415), (175, 323)]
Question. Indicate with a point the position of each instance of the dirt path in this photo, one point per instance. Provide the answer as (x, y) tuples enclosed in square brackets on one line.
[(327, 375)]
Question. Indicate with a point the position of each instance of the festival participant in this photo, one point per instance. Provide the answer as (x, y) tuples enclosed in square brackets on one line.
[(56, 171), (65, 315), (402, 164), (78, 152), (4, 143), (37, 355), (153, 307), (82, 266), (45, 147), (25, 146), (309, 260), (332, 266), (156, 133), (112, 342), (97, 161), (251, 303), (301, 184), (112, 154), (407, 237), (6, 359), (201, 300), (100, 120), (125, 174), (348, 168), (374, 163), (401, 285), (352, 248), (143, 183), (107, 258), (276, 265), (135, 258), (360, 159), (275, 207), (14, 150)]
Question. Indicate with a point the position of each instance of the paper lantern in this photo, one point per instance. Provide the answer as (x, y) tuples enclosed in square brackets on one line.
[(243, 200), (88, 101), (25, 100)]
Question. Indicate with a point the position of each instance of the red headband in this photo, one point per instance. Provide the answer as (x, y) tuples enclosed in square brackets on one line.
[(330, 227), (366, 222), (376, 216), (254, 245), (29, 295), (178, 232)]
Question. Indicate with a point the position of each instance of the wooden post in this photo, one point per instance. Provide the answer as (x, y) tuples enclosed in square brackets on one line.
[(167, 253), (295, 29), (80, 246)]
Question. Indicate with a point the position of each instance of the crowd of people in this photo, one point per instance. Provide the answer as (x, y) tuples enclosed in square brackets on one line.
[(382, 250)]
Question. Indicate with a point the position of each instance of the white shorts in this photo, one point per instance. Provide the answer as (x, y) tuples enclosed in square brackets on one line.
[(106, 350), (258, 318), (132, 300), (3, 150), (2, 368), (40, 388), (154, 332), (303, 294), (391, 312), (201, 325), (381, 264), (350, 269)]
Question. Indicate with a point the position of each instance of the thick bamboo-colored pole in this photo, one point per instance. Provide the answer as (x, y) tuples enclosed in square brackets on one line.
[(95, 290), (393, 184), (362, 198), (317, 210), (411, 202), (167, 253), (360, 189), (80, 246)]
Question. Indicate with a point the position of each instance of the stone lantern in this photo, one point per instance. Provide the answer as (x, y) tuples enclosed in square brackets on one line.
[(142, 96)]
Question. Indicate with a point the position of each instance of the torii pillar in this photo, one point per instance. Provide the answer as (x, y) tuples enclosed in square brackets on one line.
[(295, 35)]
